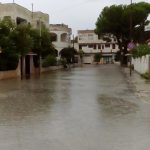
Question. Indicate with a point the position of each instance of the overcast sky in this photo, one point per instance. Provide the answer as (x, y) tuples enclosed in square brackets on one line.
[(78, 14)]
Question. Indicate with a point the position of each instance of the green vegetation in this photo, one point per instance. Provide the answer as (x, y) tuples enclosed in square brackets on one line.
[(116, 19), (18, 40), (68, 54), (146, 75), (141, 50), (8, 54), (50, 60), (97, 57)]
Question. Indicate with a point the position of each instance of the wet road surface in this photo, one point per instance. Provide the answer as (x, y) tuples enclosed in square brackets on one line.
[(88, 108)]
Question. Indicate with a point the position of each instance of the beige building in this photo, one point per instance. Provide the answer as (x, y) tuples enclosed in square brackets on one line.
[(20, 14), (61, 35), (91, 44)]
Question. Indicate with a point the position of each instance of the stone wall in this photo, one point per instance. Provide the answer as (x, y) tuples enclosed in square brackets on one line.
[(10, 73), (51, 68)]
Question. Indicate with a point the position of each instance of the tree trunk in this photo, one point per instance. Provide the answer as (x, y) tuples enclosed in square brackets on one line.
[(123, 51), (22, 67)]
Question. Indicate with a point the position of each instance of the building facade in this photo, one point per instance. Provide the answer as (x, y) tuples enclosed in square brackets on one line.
[(20, 14), (61, 35), (90, 43)]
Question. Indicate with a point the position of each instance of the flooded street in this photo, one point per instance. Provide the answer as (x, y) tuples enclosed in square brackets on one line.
[(87, 108)]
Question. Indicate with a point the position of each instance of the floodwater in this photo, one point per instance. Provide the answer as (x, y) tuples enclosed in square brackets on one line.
[(86, 108)]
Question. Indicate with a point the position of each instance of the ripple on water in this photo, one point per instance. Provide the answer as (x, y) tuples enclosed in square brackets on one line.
[(115, 105)]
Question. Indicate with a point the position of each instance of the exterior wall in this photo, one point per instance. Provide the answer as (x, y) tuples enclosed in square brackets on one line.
[(87, 37), (14, 11), (147, 28), (142, 65), (39, 16), (51, 68), (11, 73), (59, 30), (88, 59)]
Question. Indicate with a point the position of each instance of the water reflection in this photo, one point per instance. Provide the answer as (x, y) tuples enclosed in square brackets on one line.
[(72, 110), (116, 105)]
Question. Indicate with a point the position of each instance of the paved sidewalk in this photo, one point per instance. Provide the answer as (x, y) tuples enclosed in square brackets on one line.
[(142, 85)]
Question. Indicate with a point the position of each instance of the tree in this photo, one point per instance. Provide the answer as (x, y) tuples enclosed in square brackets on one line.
[(81, 53), (97, 57), (116, 19), (8, 56), (68, 53), (23, 43), (46, 43), (141, 50), (42, 43), (22, 39)]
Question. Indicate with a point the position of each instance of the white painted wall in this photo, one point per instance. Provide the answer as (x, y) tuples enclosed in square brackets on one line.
[(60, 29), (59, 45), (142, 64)]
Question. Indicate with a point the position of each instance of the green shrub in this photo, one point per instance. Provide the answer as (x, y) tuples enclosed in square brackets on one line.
[(146, 75), (141, 50), (97, 57), (8, 62), (50, 60)]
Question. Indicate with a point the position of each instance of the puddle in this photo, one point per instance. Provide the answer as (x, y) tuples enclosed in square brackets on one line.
[(116, 105)]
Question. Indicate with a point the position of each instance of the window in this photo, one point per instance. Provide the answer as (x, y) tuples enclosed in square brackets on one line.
[(64, 37), (20, 20), (115, 39), (99, 46), (113, 46), (107, 45), (81, 37), (80, 46), (90, 45), (53, 37), (99, 37), (90, 36)]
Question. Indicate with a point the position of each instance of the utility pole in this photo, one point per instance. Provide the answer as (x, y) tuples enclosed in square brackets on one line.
[(40, 65), (13, 1), (131, 21), (73, 40), (32, 10)]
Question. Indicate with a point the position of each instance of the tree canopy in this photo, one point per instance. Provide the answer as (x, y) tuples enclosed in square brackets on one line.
[(18, 40), (68, 53), (42, 44), (22, 39), (120, 20), (8, 55)]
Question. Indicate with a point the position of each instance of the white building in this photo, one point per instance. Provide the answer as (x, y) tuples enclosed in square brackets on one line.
[(61, 35), (20, 14), (147, 27), (91, 44)]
